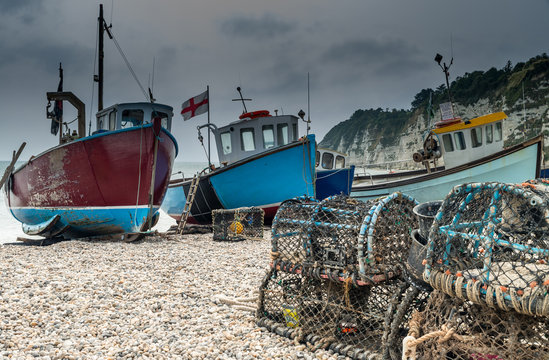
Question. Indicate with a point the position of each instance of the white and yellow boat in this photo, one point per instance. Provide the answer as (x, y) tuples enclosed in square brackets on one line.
[(472, 151)]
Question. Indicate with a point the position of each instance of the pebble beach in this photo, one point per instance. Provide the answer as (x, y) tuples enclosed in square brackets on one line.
[(158, 298)]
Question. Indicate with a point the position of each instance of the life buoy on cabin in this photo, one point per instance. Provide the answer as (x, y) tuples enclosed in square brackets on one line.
[(447, 122), (254, 114)]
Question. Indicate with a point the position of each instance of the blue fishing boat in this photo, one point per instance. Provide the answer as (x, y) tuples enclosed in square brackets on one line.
[(263, 162), (334, 175)]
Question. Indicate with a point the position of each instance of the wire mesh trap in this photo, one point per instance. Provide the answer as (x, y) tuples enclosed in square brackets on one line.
[(489, 244), (237, 224), (366, 322), (342, 238), (457, 329)]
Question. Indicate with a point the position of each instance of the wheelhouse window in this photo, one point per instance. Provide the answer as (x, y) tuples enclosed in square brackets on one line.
[(226, 143), (268, 136), (499, 132), (294, 130), (489, 133), (459, 139), (131, 117), (247, 139), (476, 137), (163, 117), (327, 161), (448, 143), (102, 123), (112, 120), (340, 162), (282, 134), (317, 158)]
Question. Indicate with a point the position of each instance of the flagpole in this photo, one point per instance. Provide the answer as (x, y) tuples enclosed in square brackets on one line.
[(208, 95)]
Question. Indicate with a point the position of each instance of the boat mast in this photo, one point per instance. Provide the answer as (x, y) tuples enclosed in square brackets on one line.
[(101, 55), (445, 68)]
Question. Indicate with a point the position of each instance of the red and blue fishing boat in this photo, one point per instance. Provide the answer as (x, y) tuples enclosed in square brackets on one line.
[(109, 182)]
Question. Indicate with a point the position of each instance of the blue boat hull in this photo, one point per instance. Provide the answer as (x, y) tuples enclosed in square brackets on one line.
[(334, 182), (514, 165), (85, 222), (264, 180)]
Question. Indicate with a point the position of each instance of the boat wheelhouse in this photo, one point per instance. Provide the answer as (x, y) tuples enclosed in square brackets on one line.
[(327, 159), (467, 141), (253, 134), (128, 115)]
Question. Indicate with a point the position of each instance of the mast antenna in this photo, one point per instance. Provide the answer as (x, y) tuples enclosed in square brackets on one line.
[(239, 89), (445, 68)]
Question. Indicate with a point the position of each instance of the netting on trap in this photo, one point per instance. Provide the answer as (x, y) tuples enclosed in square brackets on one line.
[(238, 224), (457, 329), (365, 322), (342, 238), (489, 244)]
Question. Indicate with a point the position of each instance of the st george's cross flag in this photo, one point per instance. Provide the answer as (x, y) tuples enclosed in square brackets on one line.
[(195, 106)]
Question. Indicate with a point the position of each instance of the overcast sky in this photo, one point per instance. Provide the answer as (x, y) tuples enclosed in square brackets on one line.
[(359, 54)]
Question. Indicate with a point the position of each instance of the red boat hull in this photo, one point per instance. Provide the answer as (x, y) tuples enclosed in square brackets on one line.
[(107, 173)]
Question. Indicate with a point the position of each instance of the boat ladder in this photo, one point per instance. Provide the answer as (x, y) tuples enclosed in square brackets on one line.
[(190, 199)]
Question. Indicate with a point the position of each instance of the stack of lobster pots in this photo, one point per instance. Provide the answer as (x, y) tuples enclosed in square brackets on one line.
[(337, 278), (487, 259)]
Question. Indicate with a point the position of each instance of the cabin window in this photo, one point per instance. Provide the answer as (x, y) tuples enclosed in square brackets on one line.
[(448, 143), (163, 117), (499, 132), (282, 134), (112, 120), (317, 160), (327, 161), (226, 143), (476, 137), (340, 162), (247, 140), (294, 129), (132, 117), (489, 134), (102, 122), (459, 139), (268, 136)]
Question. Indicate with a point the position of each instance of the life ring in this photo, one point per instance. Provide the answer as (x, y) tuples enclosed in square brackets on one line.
[(254, 114)]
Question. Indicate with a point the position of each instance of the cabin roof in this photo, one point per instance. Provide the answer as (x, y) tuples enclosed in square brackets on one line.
[(481, 120), (143, 105)]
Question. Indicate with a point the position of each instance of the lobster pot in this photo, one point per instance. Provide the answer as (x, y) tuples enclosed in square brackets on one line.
[(452, 328), (385, 237), (237, 224), (489, 244), (289, 230), (325, 236), (366, 322)]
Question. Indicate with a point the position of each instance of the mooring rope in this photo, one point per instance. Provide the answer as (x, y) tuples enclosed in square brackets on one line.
[(242, 303), (410, 342)]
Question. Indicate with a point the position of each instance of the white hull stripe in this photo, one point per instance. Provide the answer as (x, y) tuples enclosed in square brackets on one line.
[(83, 208)]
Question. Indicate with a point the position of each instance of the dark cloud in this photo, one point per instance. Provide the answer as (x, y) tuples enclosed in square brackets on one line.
[(27, 10), (366, 52), (266, 27), (41, 55)]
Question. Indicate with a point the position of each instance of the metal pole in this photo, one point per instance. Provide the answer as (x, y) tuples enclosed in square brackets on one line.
[(209, 150), (101, 56)]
